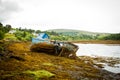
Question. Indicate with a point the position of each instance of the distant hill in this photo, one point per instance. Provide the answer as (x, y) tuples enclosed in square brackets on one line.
[(75, 32)]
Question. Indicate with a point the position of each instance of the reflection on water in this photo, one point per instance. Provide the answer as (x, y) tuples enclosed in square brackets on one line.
[(109, 50)]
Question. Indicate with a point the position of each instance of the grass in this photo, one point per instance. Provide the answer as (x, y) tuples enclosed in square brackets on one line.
[(10, 36)]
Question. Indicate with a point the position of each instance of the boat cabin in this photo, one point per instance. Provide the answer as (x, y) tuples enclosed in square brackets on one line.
[(42, 37)]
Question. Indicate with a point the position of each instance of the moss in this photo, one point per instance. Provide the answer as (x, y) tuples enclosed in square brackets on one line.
[(40, 74), (48, 64)]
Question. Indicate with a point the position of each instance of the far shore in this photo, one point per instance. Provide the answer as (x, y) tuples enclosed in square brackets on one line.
[(98, 41)]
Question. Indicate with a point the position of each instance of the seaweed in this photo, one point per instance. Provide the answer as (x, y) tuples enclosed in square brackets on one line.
[(27, 65), (39, 74)]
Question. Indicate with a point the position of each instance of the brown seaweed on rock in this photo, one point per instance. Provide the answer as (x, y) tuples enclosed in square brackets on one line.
[(27, 65)]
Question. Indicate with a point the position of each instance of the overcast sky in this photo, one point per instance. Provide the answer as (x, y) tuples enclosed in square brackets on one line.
[(89, 15)]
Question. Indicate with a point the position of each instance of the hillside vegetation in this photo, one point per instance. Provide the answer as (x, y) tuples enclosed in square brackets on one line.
[(9, 33), (76, 35)]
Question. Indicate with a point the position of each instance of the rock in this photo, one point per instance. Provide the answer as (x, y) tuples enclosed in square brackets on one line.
[(17, 58)]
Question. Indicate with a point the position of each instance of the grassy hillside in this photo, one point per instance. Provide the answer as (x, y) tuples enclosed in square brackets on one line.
[(76, 35), (75, 31)]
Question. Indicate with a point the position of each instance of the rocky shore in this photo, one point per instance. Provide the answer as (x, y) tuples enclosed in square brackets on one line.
[(17, 62)]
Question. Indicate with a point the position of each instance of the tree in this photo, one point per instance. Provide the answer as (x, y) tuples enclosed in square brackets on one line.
[(112, 37), (2, 34), (7, 28), (24, 34), (38, 31), (1, 24)]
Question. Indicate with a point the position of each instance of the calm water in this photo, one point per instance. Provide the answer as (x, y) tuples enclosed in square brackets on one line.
[(107, 50)]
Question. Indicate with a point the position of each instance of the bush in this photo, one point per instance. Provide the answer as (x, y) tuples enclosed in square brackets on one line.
[(2, 34)]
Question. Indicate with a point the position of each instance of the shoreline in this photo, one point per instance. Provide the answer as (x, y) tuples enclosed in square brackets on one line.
[(17, 59), (104, 62), (97, 41)]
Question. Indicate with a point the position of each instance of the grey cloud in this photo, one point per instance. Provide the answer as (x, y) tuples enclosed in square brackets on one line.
[(7, 7)]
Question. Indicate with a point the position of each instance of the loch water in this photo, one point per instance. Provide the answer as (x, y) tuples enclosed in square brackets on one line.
[(103, 50)]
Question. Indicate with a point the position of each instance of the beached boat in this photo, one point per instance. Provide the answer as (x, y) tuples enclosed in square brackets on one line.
[(43, 44), (65, 49)]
